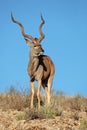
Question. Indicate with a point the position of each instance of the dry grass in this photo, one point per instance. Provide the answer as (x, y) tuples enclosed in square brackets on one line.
[(77, 102), (14, 100)]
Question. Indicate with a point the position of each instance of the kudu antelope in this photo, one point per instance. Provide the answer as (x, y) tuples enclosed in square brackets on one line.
[(40, 67)]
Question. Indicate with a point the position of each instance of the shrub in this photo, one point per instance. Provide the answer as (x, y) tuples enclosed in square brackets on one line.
[(83, 125), (43, 113), (34, 114), (20, 116)]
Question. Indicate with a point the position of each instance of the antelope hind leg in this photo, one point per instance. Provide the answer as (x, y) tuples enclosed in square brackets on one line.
[(50, 80)]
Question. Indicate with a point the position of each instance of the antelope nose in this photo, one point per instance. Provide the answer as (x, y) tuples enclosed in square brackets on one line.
[(43, 50)]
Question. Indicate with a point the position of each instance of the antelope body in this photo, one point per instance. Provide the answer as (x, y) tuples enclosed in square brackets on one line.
[(40, 67)]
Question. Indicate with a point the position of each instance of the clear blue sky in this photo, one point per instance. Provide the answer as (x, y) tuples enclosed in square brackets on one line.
[(65, 42)]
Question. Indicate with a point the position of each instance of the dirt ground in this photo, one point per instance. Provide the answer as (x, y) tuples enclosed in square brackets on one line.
[(13, 120)]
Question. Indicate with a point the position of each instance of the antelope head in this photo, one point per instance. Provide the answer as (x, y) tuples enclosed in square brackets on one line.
[(35, 43)]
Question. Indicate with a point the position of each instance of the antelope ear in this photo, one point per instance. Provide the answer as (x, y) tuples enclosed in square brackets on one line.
[(28, 42)]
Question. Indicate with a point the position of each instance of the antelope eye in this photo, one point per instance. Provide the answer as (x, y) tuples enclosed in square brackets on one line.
[(35, 47)]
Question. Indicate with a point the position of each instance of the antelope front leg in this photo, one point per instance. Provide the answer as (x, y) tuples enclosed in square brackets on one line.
[(38, 93), (32, 94)]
